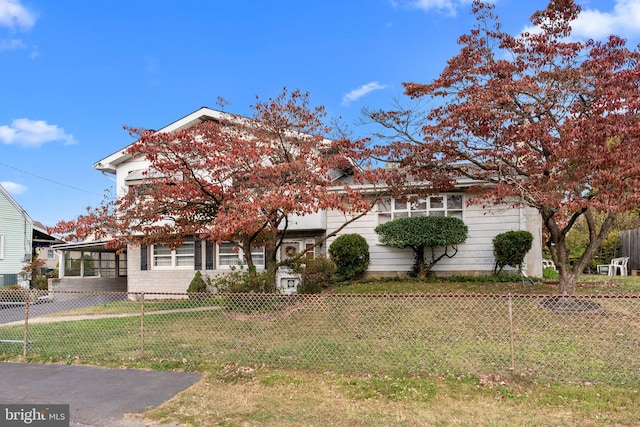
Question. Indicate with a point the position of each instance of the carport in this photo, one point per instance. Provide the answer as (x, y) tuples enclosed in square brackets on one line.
[(90, 266)]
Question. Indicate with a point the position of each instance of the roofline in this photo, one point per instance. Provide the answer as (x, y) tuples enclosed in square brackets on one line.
[(109, 163), (15, 204), (99, 245)]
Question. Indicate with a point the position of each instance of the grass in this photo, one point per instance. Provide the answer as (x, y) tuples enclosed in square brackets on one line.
[(238, 395), (346, 361), (587, 285)]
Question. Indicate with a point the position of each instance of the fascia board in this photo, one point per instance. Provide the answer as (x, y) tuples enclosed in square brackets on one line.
[(16, 205), (109, 163)]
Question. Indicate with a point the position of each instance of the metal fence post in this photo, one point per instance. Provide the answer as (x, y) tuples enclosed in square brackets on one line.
[(513, 363), (25, 342), (142, 325)]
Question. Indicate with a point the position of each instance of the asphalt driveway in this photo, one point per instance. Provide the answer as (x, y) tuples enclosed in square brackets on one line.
[(16, 312), (96, 396)]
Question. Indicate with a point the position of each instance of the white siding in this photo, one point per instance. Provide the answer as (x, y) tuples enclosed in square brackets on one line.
[(475, 256), (124, 169)]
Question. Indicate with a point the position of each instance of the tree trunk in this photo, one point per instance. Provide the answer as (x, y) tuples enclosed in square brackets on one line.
[(568, 274), (271, 260), (420, 265), (265, 282)]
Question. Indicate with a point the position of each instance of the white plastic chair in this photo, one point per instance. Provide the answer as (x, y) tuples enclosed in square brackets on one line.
[(617, 265)]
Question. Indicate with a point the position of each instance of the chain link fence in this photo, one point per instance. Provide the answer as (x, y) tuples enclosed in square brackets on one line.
[(578, 339)]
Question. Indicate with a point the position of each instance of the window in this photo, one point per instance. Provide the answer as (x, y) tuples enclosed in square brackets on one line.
[(181, 257), (257, 255), (443, 205), (94, 264), (230, 255), (1, 246), (51, 254)]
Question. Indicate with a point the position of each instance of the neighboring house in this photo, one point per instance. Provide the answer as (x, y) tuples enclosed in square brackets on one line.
[(158, 268), (16, 237), (42, 246), (20, 238)]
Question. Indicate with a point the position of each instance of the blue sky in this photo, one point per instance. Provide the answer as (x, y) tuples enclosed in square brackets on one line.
[(73, 72)]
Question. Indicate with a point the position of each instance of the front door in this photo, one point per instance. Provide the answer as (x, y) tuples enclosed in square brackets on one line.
[(287, 280)]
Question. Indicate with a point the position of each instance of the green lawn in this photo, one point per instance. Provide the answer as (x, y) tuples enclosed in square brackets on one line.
[(348, 361)]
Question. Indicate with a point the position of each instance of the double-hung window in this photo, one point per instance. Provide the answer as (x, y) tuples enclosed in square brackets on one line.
[(230, 255), (441, 205), (181, 257)]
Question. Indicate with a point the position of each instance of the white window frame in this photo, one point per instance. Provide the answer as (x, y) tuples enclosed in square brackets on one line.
[(175, 257), (1, 246), (436, 205), (257, 254)]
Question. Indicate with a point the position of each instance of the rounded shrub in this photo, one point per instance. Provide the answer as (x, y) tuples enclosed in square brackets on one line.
[(350, 252), (510, 248), (317, 275)]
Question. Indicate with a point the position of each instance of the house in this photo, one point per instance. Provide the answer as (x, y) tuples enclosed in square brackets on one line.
[(42, 247), (20, 238), (159, 268), (16, 234)]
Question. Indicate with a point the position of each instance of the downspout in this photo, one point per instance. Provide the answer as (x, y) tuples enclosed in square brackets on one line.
[(522, 227)]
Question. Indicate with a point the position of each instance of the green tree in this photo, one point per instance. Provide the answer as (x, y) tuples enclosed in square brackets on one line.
[(419, 233)]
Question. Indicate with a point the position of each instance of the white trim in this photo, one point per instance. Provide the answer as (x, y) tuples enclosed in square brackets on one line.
[(422, 206), (1, 246), (109, 163), (239, 258), (174, 256)]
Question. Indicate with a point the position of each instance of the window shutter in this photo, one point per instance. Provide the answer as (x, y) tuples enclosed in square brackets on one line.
[(197, 255), (208, 255), (144, 256)]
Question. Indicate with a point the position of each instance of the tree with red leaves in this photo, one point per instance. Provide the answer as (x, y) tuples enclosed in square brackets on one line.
[(538, 119), (239, 179)]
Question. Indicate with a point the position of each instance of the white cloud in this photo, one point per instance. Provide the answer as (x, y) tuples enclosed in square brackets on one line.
[(12, 44), (623, 20), (33, 133), (448, 7), (15, 15), (363, 90), (13, 188)]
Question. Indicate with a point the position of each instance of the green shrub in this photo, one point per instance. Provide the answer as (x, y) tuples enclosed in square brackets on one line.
[(40, 283), (198, 284), (549, 273), (350, 253), (239, 280), (317, 275), (510, 248)]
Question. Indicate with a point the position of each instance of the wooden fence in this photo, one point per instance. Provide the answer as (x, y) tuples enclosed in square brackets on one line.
[(631, 247)]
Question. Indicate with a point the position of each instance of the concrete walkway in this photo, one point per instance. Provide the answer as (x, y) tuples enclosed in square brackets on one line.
[(97, 397)]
